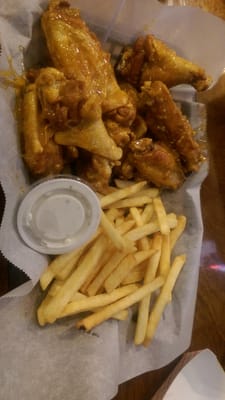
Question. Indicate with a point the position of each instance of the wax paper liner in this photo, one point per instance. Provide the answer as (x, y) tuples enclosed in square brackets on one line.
[(58, 361)]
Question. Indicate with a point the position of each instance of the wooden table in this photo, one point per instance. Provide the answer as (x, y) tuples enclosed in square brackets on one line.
[(209, 322)]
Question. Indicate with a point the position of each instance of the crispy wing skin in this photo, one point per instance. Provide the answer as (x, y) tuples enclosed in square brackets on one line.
[(169, 125), (156, 163), (149, 59), (41, 154)]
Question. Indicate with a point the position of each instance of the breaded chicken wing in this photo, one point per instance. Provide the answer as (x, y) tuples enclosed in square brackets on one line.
[(96, 170), (156, 163), (41, 154), (167, 124), (91, 136), (149, 59), (120, 134), (77, 52)]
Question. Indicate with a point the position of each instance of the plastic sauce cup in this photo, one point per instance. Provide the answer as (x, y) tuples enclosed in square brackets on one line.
[(58, 215)]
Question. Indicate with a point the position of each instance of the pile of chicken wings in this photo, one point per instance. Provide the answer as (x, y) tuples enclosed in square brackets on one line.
[(79, 113)]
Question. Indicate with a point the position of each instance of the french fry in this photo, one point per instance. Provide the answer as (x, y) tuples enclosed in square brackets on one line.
[(114, 213), (71, 264), (178, 230), (147, 213), (153, 263), (55, 286), (136, 216), (143, 242), (162, 216), (143, 308), (46, 278), (40, 311), (118, 240), (121, 194), (107, 312), (76, 279), (55, 268), (150, 192), (107, 269), (119, 221), (132, 202), (123, 228), (116, 277), (78, 296), (164, 297), (123, 269), (150, 228), (100, 300), (95, 271), (164, 263), (136, 275), (121, 315)]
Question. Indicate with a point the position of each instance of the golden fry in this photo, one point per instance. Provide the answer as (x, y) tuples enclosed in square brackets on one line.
[(143, 242), (118, 240), (147, 213), (100, 300), (164, 263), (164, 297), (150, 274), (113, 213), (75, 281), (136, 275), (125, 266), (132, 202), (121, 194), (124, 227), (55, 268), (105, 272), (161, 214), (121, 315), (107, 312), (178, 230), (150, 192), (55, 287), (150, 228)]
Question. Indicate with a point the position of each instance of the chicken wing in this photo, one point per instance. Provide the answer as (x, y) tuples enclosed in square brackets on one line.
[(62, 101), (167, 124), (91, 136), (149, 59), (121, 135), (96, 170), (41, 154), (156, 163), (77, 52)]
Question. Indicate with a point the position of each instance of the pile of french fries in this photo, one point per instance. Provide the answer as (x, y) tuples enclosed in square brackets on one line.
[(129, 258)]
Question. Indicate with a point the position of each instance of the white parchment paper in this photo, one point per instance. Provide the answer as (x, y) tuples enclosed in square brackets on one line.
[(202, 378), (58, 362)]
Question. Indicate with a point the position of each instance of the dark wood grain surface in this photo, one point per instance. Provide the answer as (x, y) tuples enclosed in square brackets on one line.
[(209, 322)]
